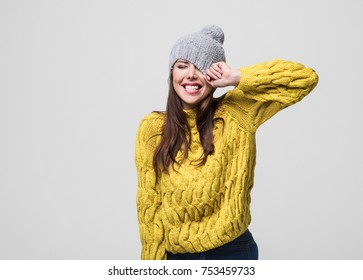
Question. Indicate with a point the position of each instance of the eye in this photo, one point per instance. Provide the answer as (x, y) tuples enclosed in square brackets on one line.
[(181, 66)]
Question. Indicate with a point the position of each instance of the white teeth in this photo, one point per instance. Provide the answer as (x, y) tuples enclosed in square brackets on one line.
[(191, 87)]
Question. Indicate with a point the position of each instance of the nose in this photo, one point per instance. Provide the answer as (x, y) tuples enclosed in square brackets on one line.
[(192, 72)]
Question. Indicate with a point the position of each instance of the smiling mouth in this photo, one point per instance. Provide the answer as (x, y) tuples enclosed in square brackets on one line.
[(192, 89), (188, 87)]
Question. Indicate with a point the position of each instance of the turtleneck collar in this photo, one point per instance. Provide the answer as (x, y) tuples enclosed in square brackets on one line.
[(190, 112), (191, 115)]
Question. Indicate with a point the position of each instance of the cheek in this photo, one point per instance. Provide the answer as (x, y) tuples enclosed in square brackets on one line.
[(177, 75), (176, 86), (175, 82), (208, 89)]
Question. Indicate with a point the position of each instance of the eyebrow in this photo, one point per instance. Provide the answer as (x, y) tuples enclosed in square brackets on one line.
[(183, 60)]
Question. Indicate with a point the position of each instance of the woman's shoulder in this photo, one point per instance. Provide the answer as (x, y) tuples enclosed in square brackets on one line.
[(154, 119), (151, 124)]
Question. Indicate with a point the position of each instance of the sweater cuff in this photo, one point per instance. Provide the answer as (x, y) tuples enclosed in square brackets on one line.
[(246, 81)]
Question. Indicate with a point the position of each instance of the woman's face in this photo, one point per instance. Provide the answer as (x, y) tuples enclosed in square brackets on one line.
[(190, 84)]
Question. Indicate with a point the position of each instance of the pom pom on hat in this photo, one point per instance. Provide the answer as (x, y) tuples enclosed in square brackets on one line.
[(215, 32), (202, 48)]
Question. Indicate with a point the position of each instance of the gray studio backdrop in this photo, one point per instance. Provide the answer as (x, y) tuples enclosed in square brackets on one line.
[(76, 77)]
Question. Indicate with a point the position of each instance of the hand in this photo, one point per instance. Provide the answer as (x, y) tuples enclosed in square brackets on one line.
[(221, 75)]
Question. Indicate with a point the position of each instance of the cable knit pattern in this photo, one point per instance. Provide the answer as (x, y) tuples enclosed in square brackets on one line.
[(194, 209)]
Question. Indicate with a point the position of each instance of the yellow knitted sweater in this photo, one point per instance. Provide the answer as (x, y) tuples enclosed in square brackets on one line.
[(194, 209)]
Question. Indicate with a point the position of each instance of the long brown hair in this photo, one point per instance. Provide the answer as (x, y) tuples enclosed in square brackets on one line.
[(176, 133)]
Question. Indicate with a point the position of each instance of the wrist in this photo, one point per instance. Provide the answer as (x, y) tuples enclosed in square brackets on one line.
[(235, 77)]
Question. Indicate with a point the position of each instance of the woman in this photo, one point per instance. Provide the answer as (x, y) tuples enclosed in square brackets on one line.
[(195, 162)]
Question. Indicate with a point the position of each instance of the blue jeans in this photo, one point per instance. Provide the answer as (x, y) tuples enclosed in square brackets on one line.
[(241, 248)]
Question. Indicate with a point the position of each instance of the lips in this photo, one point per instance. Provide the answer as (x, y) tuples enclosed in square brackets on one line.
[(192, 88)]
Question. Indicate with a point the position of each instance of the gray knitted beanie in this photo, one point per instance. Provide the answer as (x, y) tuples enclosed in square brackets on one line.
[(201, 48)]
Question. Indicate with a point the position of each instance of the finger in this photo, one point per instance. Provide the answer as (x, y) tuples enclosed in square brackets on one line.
[(213, 73), (210, 81), (217, 67), (207, 78), (210, 74)]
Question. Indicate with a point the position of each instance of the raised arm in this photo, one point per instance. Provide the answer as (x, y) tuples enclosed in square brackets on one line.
[(263, 89), (278, 80)]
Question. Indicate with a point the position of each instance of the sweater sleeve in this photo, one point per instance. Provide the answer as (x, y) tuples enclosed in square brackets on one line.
[(266, 88), (148, 198)]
